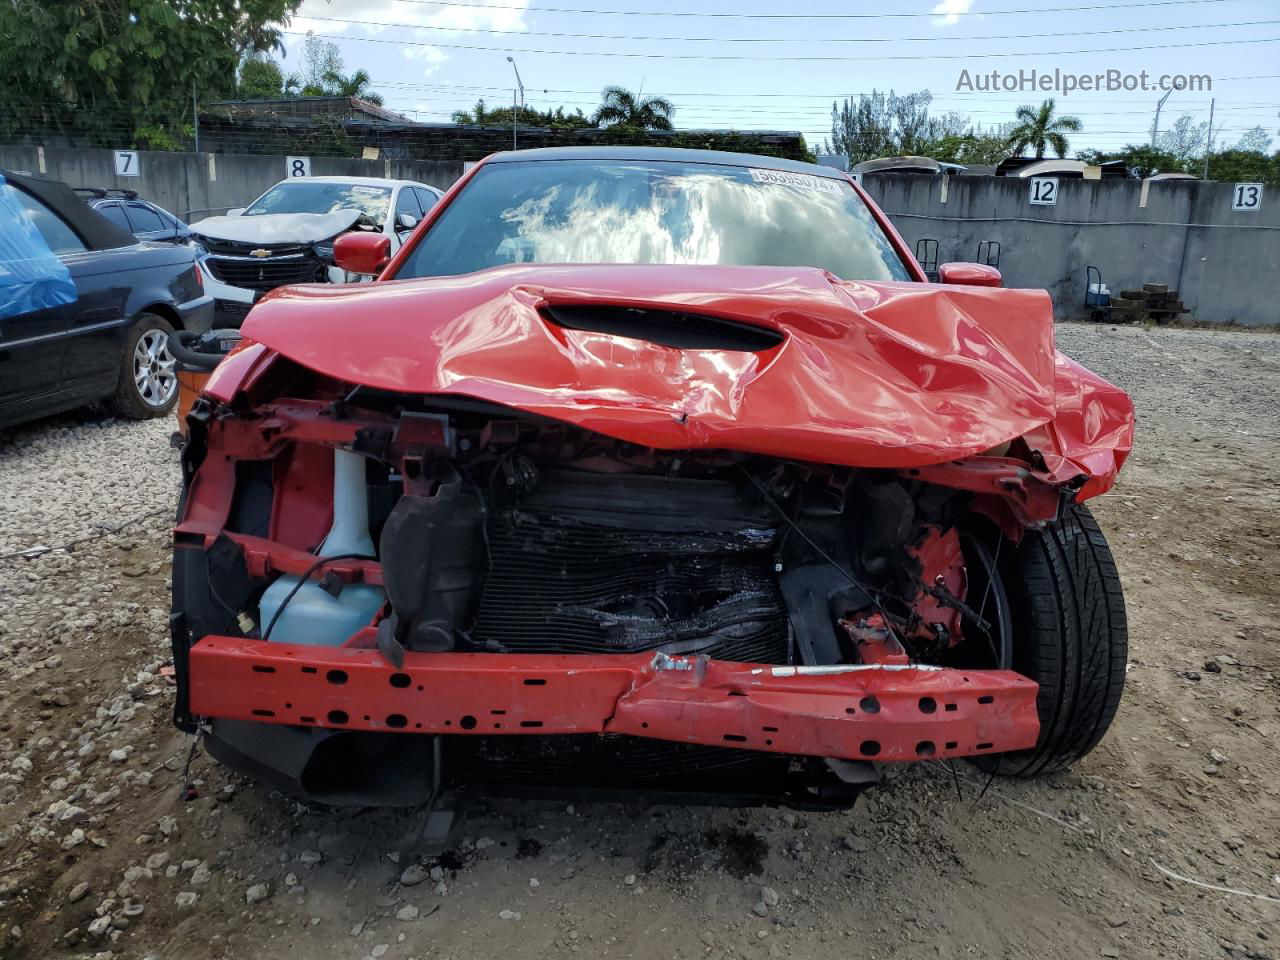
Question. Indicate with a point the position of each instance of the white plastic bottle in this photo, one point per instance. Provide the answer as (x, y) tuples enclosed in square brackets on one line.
[(313, 615)]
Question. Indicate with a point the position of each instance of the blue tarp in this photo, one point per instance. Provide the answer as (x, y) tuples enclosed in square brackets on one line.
[(31, 276)]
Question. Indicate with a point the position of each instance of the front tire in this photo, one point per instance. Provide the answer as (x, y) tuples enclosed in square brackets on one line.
[(1070, 635), (148, 385)]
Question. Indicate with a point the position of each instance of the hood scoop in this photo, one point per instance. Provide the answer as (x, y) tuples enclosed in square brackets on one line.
[(668, 328)]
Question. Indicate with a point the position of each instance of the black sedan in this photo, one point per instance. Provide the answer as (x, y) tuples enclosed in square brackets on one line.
[(112, 342)]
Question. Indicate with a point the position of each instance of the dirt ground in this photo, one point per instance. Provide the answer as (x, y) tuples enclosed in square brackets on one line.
[(100, 856)]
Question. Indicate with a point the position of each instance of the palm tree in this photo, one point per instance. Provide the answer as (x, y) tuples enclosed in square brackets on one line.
[(619, 107), (356, 85), (1039, 127)]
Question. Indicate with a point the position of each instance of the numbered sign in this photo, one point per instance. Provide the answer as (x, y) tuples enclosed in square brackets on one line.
[(127, 163), (297, 167), (1044, 191), (1247, 196)]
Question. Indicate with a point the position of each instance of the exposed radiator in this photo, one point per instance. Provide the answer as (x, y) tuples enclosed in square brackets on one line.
[(596, 563)]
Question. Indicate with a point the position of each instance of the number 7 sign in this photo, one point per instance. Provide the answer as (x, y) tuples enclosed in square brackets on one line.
[(127, 163)]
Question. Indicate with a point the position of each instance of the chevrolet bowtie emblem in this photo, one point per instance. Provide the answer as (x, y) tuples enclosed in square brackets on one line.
[(260, 252)]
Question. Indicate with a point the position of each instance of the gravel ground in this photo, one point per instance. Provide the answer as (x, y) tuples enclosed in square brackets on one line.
[(99, 856)]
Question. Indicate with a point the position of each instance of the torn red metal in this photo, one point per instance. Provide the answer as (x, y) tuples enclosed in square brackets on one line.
[(858, 712), (870, 374)]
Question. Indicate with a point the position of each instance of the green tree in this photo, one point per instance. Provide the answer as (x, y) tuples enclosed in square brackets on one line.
[(1037, 127), (260, 80), (115, 69), (1142, 160), (320, 58), (355, 85), (1249, 166), (620, 107), (1185, 139), (556, 119), (880, 125), (1255, 140)]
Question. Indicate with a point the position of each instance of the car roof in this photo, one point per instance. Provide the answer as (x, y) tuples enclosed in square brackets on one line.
[(363, 181), (669, 154), (97, 232)]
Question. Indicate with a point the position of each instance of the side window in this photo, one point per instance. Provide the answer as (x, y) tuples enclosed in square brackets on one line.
[(115, 213), (144, 219), (426, 198), (60, 237), (407, 203)]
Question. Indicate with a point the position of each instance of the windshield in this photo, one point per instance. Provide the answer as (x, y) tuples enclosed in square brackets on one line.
[(615, 211), (314, 196)]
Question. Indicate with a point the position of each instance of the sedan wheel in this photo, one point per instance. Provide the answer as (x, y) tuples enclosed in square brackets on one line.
[(148, 384), (153, 369)]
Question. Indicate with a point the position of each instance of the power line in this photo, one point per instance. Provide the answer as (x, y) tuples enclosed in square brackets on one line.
[(805, 16), (753, 95), (793, 59), (802, 110), (667, 39)]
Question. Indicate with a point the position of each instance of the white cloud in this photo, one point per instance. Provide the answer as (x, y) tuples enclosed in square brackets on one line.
[(431, 57), (444, 21), (948, 11)]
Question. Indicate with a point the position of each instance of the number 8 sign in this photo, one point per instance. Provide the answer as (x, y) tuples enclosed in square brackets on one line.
[(1247, 197), (297, 167)]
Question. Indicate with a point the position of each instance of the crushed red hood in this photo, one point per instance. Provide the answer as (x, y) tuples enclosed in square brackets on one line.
[(864, 374)]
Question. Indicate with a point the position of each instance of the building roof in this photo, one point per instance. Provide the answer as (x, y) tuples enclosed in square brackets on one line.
[(314, 106)]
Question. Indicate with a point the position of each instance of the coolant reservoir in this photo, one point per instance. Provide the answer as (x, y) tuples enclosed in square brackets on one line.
[(313, 615)]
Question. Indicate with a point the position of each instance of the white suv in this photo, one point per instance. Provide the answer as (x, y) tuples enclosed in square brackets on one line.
[(286, 235)]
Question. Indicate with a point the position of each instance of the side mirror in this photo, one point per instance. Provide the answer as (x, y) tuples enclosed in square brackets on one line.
[(363, 253), (405, 221), (234, 211), (969, 274)]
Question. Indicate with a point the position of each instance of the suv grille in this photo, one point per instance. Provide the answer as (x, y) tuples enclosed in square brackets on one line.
[(267, 273)]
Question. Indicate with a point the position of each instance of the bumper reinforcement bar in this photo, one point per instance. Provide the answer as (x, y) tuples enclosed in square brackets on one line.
[(880, 712)]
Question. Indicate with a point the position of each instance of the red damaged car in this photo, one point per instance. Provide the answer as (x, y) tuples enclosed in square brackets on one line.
[(647, 470)]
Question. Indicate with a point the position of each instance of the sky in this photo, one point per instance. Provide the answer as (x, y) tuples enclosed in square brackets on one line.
[(765, 65)]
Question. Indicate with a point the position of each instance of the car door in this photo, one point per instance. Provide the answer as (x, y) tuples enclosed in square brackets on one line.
[(32, 344), (406, 206)]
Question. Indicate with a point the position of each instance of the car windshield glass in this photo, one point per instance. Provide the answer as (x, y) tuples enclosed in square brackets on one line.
[(615, 211), (313, 196)]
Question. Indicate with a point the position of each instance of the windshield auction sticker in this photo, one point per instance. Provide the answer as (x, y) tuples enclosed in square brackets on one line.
[(787, 179)]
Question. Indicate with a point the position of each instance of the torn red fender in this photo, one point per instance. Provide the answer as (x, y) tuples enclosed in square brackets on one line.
[(853, 712)]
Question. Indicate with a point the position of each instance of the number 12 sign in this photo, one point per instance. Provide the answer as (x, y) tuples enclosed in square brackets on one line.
[(1247, 196), (1044, 191)]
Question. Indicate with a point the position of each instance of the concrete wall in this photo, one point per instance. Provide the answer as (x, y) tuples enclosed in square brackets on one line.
[(196, 185), (1225, 265)]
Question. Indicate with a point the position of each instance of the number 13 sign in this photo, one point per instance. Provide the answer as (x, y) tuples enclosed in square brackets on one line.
[(1247, 196)]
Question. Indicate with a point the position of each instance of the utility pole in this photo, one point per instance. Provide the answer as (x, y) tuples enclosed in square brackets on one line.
[(195, 115), (1155, 124), (1208, 146), (515, 110)]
